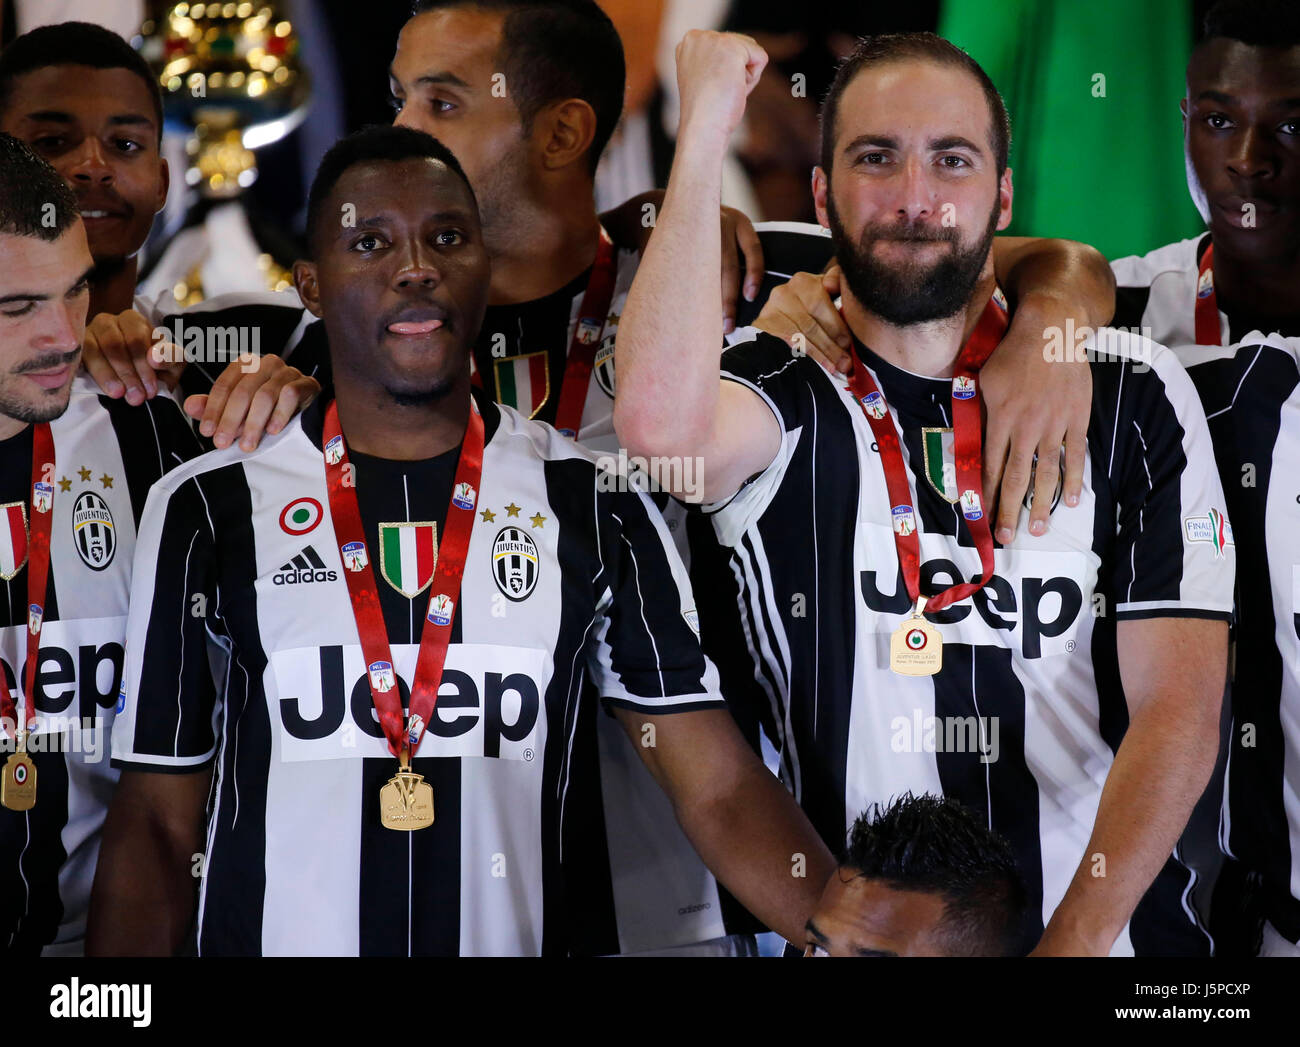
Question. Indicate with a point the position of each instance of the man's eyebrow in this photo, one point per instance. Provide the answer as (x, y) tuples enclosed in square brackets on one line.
[(432, 78), (874, 952), (453, 214), (881, 141), (35, 297), (58, 116), (954, 142), (815, 931), (1217, 96)]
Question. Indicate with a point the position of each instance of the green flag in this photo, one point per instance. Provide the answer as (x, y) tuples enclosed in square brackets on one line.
[(1093, 91)]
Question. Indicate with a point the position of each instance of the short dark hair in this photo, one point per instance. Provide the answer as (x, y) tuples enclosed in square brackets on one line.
[(74, 43), (894, 47), (29, 188), (936, 845), (380, 142), (557, 49), (1255, 23)]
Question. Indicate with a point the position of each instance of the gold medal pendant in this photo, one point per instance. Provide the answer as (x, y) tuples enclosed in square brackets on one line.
[(916, 648), (406, 802), (18, 784)]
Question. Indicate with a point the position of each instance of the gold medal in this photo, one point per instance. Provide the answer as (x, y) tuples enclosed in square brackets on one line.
[(18, 783), (916, 648), (406, 802)]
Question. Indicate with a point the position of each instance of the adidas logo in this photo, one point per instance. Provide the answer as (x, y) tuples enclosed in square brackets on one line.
[(307, 566)]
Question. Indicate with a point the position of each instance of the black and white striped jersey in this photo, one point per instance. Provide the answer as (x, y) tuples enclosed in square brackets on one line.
[(1023, 720), (1155, 295), (107, 454), (646, 887), (568, 581), (1251, 395)]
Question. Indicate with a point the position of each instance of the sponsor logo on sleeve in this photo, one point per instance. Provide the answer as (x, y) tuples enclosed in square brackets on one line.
[(1212, 528)]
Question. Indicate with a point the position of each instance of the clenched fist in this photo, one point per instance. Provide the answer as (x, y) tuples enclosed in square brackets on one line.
[(715, 73)]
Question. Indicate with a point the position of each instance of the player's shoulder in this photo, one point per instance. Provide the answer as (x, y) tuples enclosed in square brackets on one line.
[(267, 463), (761, 358), (1143, 270), (160, 419), (1126, 361)]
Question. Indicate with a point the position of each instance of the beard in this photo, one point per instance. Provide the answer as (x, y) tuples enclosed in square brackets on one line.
[(45, 408), (912, 292)]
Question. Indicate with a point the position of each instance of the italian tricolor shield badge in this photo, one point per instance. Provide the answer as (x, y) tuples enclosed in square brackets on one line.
[(408, 553), (523, 382), (940, 467), (13, 539)]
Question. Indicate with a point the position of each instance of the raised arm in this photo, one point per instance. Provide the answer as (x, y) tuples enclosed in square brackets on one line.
[(670, 402), (1173, 670)]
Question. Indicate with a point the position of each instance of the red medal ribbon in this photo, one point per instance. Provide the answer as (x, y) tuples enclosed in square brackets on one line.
[(586, 338), (967, 452), (444, 591), (36, 550), (1207, 306)]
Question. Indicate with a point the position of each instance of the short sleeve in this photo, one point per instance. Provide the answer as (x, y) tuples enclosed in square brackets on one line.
[(646, 652), (1174, 549), (166, 711), (768, 367)]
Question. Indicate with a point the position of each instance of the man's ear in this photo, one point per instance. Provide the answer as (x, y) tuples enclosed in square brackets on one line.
[(821, 188), (567, 131), (1004, 199), (304, 279), (164, 184)]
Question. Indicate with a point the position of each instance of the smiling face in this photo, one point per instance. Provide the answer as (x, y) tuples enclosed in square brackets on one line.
[(442, 80), (98, 129), (913, 195), (1241, 120), (403, 289), (44, 294)]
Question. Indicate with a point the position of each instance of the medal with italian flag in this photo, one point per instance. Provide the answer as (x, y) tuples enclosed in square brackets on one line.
[(916, 646)]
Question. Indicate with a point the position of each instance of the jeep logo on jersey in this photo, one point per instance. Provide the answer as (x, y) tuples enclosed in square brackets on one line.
[(489, 703), (92, 531), (603, 367), (13, 539), (1213, 527), (515, 563), (80, 663), (1044, 608)]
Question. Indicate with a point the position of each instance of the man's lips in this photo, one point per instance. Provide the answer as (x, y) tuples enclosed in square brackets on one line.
[(51, 379), (414, 327)]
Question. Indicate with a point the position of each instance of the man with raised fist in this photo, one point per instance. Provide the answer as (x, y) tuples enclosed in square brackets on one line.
[(1065, 686)]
